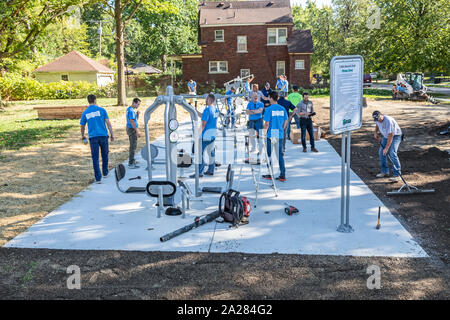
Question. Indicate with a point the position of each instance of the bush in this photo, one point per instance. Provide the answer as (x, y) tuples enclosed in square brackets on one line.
[(17, 87)]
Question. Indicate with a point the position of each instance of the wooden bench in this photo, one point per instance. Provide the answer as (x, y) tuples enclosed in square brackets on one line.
[(59, 112)]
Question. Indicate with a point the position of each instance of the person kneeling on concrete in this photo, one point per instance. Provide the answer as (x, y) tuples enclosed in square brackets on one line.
[(133, 131), (275, 122), (209, 127), (392, 136)]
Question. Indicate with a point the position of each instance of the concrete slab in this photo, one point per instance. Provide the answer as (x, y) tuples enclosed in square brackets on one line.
[(101, 217)]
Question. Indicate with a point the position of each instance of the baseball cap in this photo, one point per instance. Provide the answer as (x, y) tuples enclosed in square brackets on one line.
[(376, 115)]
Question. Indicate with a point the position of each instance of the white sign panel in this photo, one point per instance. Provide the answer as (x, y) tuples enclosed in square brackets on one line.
[(346, 93)]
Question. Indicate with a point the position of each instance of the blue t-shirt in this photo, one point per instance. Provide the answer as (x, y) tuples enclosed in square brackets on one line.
[(132, 115), (229, 100), (255, 106), (279, 84), (192, 86), (286, 85), (247, 87), (210, 115), (95, 117), (286, 104), (275, 115)]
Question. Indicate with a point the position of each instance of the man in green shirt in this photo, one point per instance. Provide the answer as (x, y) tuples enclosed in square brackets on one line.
[(295, 98)]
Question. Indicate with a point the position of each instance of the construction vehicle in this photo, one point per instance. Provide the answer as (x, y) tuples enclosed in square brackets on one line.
[(409, 86)]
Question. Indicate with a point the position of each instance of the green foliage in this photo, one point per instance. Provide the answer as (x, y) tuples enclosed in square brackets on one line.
[(17, 87), (413, 35), (23, 21)]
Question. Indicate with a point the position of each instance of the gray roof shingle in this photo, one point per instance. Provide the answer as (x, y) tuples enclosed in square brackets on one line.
[(300, 42)]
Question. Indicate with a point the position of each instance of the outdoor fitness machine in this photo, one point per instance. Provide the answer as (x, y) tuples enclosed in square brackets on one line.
[(346, 103)]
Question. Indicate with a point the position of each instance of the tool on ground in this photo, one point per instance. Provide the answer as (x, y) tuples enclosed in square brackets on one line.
[(290, 210), (135, 178), (379, 224), (234, 208), (407, 189), (197, 222)]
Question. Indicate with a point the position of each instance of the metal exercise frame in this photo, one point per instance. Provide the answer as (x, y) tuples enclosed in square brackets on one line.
[(170, 100)]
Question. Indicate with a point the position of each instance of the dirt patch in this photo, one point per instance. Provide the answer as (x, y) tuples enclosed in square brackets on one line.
[(425, 163)]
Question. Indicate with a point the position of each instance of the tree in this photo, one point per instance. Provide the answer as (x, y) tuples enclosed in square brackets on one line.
[(22, 21)]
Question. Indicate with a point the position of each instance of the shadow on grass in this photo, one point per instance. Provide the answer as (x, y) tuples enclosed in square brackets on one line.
[(19, 138)]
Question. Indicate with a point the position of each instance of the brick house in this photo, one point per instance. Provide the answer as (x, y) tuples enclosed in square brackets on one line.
[(248, 37)]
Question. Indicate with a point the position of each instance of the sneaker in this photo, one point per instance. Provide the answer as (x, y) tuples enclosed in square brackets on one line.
[(394, 178), (106, 175), (267, 176), (98, 182), (133, 166), (193, 176), (209, 173), (314, 150), (381, 175), (280, 178), (304, 150)]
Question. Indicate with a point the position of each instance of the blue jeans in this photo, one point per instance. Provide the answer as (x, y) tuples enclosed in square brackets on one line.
[(297, 121), (230, 112), (280, 155), (102, 143), (210, 145), (307, 124), (392, 155)]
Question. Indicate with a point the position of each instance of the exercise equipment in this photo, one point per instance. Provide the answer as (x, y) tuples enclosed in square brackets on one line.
[(229, 185), (154, 152), (135, 178), (119, 173), (162, 190)]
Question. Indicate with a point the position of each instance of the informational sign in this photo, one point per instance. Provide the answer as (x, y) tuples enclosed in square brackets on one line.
[(346, 93)]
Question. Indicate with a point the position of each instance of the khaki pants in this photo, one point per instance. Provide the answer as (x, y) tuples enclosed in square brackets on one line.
[(133, 144)]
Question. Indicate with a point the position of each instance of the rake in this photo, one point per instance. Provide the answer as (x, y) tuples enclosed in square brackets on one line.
[(406, 188)]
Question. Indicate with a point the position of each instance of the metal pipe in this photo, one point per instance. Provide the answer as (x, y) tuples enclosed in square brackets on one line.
[(158, 101), (347, 200), (343, 168)]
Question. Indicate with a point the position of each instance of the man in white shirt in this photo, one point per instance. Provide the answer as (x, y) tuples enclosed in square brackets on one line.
[(389, 143)]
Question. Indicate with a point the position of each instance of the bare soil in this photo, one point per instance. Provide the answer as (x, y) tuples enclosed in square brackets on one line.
[(42, 274)]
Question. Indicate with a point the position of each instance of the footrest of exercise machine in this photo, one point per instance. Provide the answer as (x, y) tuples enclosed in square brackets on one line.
[(212, 190)]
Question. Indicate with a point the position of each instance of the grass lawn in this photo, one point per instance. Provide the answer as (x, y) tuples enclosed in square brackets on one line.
[(20, 127)]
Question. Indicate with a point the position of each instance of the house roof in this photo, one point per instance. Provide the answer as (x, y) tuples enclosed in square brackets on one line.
[(74, 62), (143, 68), (300, 41), (244, 12)]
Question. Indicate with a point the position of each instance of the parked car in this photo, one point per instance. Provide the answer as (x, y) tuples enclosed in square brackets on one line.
[(367, 80)]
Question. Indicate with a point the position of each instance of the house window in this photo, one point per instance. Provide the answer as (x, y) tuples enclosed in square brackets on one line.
[(218, 35), (245, 73), (299, 64), (65, 77), (276, 36), (218, 66), (242, 44), (281, 68)]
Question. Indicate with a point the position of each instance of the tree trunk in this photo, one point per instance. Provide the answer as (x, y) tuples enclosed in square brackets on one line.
[(164, 62), (120, 56)]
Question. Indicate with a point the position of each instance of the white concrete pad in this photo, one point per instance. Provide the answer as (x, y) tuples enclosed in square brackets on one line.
[(103, 218)]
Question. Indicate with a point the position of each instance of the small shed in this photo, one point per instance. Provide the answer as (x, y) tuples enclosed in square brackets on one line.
[(75, 66), (142, 68)]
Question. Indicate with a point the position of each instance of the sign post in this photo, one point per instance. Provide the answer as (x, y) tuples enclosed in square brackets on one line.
[(346, 102)]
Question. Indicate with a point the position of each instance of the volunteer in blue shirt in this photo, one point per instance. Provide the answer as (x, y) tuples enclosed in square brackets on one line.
[(97, 120), (289, 107), (133, 131), (285, 87), (266, 91), (255, 122), (229, 105), (192, 87), (209, 127), (275, 122), (389, 143), (279, 84), (247, 87)]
